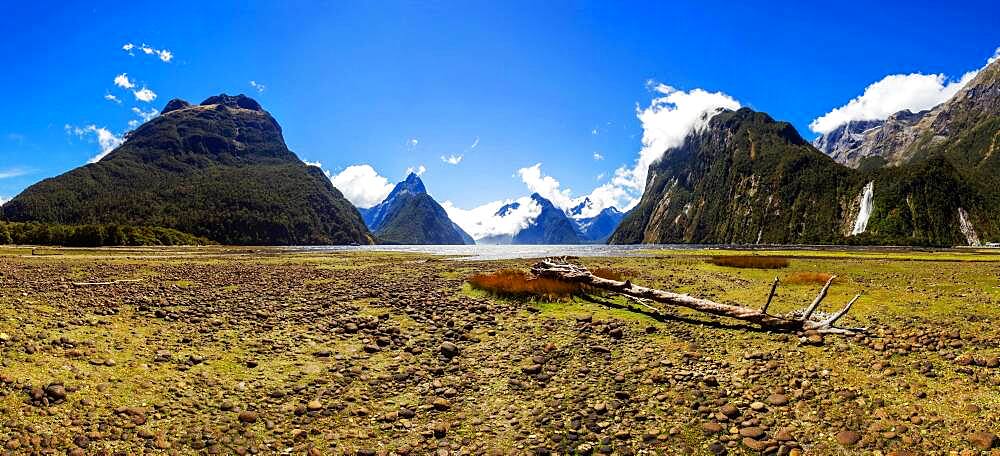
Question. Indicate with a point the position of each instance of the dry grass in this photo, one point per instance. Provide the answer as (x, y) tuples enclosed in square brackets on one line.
[(807, 278), (511, 283), (750, 261), (608, 273)]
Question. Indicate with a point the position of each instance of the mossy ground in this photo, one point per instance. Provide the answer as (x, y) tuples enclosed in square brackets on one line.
[(361, 333)]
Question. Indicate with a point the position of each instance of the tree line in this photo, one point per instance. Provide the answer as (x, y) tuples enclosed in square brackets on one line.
[(94, 235)]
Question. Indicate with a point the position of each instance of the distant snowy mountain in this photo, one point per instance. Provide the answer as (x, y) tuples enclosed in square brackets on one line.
[(599, 228), (552, 226), (410, 216)]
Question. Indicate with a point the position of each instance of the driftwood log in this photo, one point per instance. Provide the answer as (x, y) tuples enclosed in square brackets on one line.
[(802, 321)]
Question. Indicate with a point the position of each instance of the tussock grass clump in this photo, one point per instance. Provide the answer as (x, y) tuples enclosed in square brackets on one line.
[(807, 278), (511, 283), (750, 261)]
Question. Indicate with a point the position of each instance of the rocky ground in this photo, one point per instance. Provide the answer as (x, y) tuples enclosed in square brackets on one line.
[(223, 351)]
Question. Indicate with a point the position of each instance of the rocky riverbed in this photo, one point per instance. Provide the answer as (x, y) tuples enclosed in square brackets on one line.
[(235, 351)]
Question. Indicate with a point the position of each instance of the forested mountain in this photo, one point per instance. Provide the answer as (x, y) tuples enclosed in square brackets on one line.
[(220, 170)]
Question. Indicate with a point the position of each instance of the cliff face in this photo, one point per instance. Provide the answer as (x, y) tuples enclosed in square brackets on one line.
[(747, 179)]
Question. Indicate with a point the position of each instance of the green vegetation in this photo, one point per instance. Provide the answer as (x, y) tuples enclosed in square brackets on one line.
[(219, 171), (748, 179), (93, 235)]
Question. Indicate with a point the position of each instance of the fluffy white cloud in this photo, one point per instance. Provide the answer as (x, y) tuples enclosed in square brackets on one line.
[(667, 121), (112, 98), (165, 55), (547, 186), (483, 221), (260, 88), (419, 170), (670, 117), (105, 138), (144, 94), (128, 47), (611, 194), (146, 116), (452, 159), (123, 81), (893, 93), (362, 185)]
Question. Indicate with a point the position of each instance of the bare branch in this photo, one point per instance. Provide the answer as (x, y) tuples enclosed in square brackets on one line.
[(770, 296), (819, 298)]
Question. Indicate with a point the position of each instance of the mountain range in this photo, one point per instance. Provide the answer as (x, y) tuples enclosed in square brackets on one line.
[(219, 169), (927, 178), (410, 216)]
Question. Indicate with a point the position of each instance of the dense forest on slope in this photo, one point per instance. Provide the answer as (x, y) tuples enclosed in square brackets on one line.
[(93, 235), (219, 170)]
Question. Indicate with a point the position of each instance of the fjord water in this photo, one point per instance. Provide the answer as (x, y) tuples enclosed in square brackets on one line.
[(505, 252), (509, 252)]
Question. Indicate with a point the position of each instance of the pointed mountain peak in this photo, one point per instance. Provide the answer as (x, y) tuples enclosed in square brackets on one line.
[(238, 101), (411, 184)]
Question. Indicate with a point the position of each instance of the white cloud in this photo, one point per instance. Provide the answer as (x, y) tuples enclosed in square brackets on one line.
[(893, 93), (163, 54), (474, 143), (12, 172), (260, 88), (3, 200), (105, 138), (412, 144), (132, 124), (483, 221), (123, 81), (594, 132), (313, 163), (667, 121), (112, 98), (144, 94), (362, 185), (452, 159), (419, 170), (547, 186), (604, 196), (670, 117), (145, 116)]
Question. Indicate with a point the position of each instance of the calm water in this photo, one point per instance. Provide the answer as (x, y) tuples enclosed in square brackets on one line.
[(501, 252)]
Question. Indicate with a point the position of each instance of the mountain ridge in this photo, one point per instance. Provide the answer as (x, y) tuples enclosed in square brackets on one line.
[(219, 169)]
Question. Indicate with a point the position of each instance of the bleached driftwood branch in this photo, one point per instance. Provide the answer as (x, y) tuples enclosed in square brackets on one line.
[(785, 323)]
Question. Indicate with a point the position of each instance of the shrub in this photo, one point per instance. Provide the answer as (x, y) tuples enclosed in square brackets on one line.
[(807, 278), (511, 283), (750, 261)]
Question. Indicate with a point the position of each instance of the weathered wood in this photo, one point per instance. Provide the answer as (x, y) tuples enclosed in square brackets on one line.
[(578, 274)]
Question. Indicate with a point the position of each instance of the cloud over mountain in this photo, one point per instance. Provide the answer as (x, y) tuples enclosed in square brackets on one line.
[(896, 92), (362, 185)]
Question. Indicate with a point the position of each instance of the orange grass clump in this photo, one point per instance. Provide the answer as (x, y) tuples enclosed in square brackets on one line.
[(807, 278), (608, 273), (750, 261), (512, 283)]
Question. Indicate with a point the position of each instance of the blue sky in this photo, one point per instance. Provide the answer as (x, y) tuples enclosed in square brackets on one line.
[(526, 82)]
